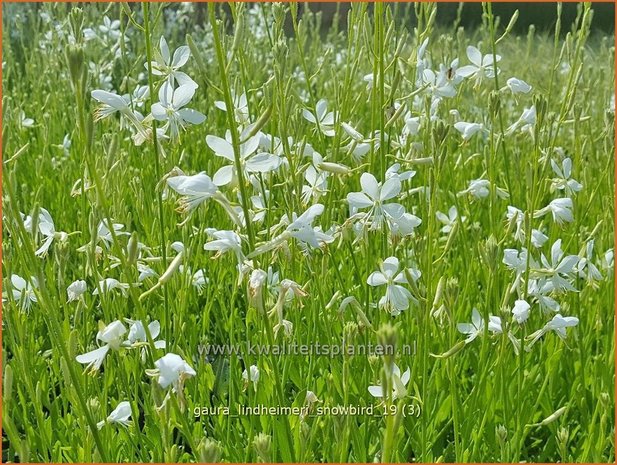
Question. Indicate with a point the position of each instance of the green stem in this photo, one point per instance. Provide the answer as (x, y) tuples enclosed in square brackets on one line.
[(231, 122), (157, 166)]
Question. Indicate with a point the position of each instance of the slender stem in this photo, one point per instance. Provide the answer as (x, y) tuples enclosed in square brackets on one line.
[(235, 140), (157, 166)]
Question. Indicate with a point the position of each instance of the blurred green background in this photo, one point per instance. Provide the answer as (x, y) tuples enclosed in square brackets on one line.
[(540, 14)]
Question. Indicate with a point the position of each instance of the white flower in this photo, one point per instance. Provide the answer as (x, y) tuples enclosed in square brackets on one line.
[(199, 280), (404, 225), (112, 103), (399, 383), (560, 265), (538, 238), (241, 109), (48, 230), (586, 268), (173, 370), (112, 337), (23, 291), (110, 28), (195, 190), (412, 125), (561, 209), (108, 284), (225, 241), (449, 220), (140, 95), (526, 121), (169, 108), (375, 196), (65, 146), (168, 66), (397, 297), (563, 181), (76, 290), (481, 65), (311, 398), (518, 86), (473, 329), (558, 324), (252, 375), (25, 121), (437, 84), (317, 183), (137, 334), (494, 324), (393, 171), (251, 160), (120, 415), (145, 272), (480, 189), (27, 222), (520, 311), (104, 233), (301, 228), (322, 118), (538, 289), (468, 130), (608, 261)]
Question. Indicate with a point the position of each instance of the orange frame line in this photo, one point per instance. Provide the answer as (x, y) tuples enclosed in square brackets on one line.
[(313, 1)]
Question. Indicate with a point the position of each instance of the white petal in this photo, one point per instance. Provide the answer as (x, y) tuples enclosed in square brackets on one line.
[(224, 175), (263, 163), (113, 100), (369, 185), (390, 188), (181, 56), (359, 200), (220, 147), (376, 391), (164, 50), (474, 55), (183, 95), (376, 278), (158, 112), (192, 116), (166, 93)]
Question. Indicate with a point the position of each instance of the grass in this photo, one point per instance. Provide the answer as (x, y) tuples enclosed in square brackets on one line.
[(476, 402)]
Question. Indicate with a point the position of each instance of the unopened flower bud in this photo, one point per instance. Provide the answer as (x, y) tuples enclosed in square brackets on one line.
[(262, 444), (502, 434), (209, 451)]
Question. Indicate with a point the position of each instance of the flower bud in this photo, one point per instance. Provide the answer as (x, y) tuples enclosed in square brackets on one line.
[(209, 451), (262, 445), (76, 60), (387, 335), (132, 249), (502, 434)]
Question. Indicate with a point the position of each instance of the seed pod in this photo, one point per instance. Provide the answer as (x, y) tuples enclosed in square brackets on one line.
[(172, 268), (452, 351), (201, 63), (132, 249), (7, 388), (551, 418)]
